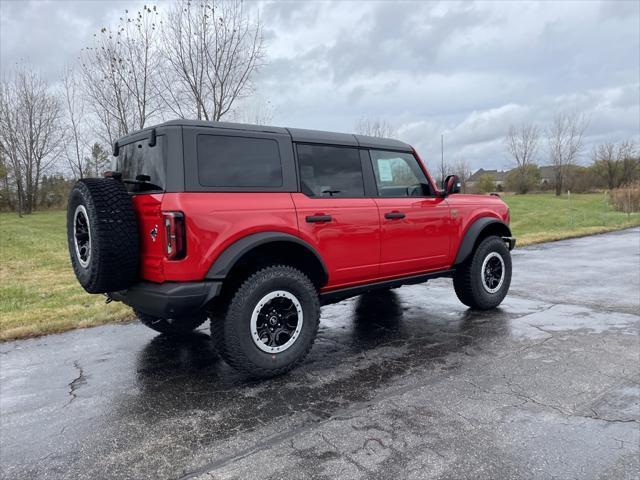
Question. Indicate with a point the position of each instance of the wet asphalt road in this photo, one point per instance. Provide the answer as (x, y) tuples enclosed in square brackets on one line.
[(405, 384)]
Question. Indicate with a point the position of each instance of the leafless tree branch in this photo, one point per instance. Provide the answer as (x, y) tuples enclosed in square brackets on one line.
[(121, 72), (565, 142), (213, 49), (30, 132), (375, 127)]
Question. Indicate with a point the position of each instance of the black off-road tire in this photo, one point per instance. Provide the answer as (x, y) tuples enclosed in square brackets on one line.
[(231, 332), (468, 280), (112, 262), (175, 327)]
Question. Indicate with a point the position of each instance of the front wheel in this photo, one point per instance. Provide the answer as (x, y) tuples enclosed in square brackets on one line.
[(270, 323), (483, 281)]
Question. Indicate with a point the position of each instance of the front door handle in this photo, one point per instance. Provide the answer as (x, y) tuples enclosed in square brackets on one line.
[(318, 218), (394, 215)]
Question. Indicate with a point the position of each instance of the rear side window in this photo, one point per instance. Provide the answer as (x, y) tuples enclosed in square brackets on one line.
[(330, 171), (232, 161)]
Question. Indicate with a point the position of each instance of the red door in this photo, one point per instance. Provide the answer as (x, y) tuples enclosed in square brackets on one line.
[(415, 224), (346, 233), (414, 235), (334, 214)]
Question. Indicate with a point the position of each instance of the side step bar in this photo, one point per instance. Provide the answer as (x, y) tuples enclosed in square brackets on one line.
[(334, 296)]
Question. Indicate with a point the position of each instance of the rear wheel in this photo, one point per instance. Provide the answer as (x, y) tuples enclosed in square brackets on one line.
[(171, 326), (483, 281), (270, 323)]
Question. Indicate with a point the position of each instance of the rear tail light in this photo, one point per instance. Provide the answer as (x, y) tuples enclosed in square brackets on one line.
[(175, 235)]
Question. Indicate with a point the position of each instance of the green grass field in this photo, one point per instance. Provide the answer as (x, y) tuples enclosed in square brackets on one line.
[(38, 290), (537, 218), (39, 293)]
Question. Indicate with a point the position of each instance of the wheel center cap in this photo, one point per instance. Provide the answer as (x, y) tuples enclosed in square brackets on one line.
[(273, 320)]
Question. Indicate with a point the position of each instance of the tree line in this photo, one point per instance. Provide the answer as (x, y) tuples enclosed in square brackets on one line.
[(196, 59), (560, 146), (199, 59), (612, 165)]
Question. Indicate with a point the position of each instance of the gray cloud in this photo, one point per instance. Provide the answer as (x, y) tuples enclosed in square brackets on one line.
[(463, 70), (50, 34)]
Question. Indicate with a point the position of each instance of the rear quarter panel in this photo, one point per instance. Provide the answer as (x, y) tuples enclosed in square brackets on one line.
[(149, 214), (216, 220)]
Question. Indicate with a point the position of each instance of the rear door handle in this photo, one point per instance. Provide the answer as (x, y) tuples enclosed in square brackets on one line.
[(394, 215), (318, 218)]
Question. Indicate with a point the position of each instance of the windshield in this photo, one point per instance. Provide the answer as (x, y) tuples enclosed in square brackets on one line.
[(142, 166)]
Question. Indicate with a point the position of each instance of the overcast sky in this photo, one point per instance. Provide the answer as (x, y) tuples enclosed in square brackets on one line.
[(460, 69)]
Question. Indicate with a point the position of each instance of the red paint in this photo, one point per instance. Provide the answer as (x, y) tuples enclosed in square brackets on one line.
[(418, 242), (350, 243), (358, 245), (149, 212)]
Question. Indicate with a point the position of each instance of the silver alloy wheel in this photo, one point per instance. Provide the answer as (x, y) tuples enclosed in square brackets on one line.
[(82, 235), (276, 321), (492, 272)]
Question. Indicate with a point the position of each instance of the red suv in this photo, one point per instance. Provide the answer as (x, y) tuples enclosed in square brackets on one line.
[(256, 227)]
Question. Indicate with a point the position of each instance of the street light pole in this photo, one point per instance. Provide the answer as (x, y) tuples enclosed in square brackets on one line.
[(442, 157)]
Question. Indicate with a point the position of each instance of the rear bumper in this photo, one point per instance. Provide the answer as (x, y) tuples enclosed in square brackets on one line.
[(170, 299)]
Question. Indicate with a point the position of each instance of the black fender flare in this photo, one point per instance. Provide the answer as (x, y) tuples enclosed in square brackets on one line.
[(474, 231), (234, 252)]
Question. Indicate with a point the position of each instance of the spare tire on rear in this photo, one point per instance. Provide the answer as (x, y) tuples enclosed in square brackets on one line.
[(102, 234)]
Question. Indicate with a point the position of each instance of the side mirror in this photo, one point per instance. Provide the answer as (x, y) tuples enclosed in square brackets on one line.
[(451, 184)]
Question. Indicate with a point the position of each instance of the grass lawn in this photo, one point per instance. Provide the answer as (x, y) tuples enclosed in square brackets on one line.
[(537, 218), (39, 293)]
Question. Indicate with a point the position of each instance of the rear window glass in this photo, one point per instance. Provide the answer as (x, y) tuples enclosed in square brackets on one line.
[(138, 158), (231, 161), (330, 171)]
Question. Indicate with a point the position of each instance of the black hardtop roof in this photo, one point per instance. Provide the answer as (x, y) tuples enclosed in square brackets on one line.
[(296, 134)]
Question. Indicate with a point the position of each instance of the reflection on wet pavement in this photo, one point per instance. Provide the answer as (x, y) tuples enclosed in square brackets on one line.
[(401, 383)]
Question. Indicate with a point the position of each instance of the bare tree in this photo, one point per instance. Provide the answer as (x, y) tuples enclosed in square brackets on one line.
[(257, 111), (121, 72), (462, 170), (522, 145), (375, 127), (30, 133), (213, 49), (6, 193), (9, 138), (610, 162), (564, 139), (74, 123), (606, 163)]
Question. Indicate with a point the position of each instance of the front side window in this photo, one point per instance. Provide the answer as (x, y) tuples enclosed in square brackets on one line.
[(398, 175), (232, 161), (330, 171)]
